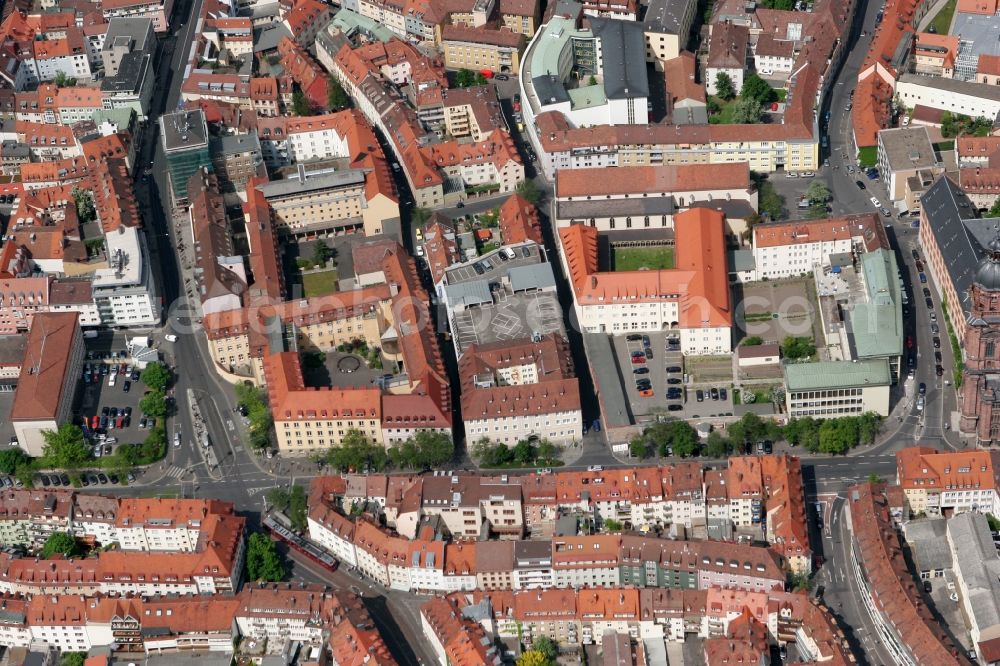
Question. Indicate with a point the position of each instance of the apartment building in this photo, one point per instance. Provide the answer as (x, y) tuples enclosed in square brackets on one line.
[(828, 389), (29, 517), (276, 616), (521, 391), (906, 153), (479, 48), (427, 161), (943, 483), (454, 639), (156, 10), (907, 627), (787, 249), (728, 51), (692, 297)]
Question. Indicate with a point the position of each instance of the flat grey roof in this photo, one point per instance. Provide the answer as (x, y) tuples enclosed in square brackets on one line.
[(549, 89), (468, 294), (267, 38), (312, 182), (979, 31), (12, 349), (231, 144), (666, 15), (183, 130), (510, 316), (907, 148), (536, 276), (131, 71), (928, 542), (135, 29), (615, 409), (497, 267)]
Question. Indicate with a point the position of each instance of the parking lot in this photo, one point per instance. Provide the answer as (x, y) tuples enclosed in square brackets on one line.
[(108, 410), (659, 384)]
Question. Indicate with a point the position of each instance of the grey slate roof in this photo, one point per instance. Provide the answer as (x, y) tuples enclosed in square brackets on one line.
[(665, 15), (928, 543), (475, 292), (533, 276), (623, 48), (956, 238), (976, 558), (549, 89)]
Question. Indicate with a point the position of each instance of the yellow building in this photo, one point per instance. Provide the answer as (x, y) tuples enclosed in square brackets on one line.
[(482, 48)]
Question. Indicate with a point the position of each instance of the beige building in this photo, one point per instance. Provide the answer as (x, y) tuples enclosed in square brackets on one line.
[(327, 201), (667, 24), (482, 48), (829, 389)]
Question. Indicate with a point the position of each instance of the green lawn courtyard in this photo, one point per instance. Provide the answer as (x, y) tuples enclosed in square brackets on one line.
[(942, 22), (636, 258), (319, 283)]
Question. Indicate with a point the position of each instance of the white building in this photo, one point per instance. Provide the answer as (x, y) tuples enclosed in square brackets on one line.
[(125, 293), (829, 389), (966, 98), (790, 249)]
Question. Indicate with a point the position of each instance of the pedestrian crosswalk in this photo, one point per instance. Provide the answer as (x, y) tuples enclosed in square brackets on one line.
[(175, 472)]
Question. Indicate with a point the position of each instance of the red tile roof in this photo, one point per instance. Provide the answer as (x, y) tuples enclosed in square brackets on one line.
[(893, 589), (41, 388), (700, 272)]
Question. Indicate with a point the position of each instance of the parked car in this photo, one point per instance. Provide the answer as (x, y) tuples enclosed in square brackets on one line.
[(640, 371), (633, 337), (861, 185), (937, 342), (714, 392), (699, 395), (923, 278), (673, 368)]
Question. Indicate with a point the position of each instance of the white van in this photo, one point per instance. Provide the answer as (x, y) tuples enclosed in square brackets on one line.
[(170, 337)]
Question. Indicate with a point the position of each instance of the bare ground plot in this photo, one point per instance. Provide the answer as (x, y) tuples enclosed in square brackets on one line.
[(709, 369), (775, 309)]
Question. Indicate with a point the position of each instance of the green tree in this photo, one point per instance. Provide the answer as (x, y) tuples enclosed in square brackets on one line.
[(61, 543), (994, 209), (157, 376), (612, 525), (770, 202), (263, 563), (546, 646), (12, 459), (63, 80), (869, 424), (800, 582), (875, 478), (717, 445), (547, 451), (993, 522), (724, 87), (421, 215), (592, 81), (465, 78), (300, 104), (356, 452), (529, 190), (818, 192), (85, 209), (481, 79), (336, 97), (154, 446), (524, 452), (322, 253), (278, 498), (837, 436), (533, 658), (638, 448), (154, 403), (752, 341), (757, 89), (252, 400), (747, 111), (297, 509), (72, 658), (433, 447), (797, 347), (65, 448)]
